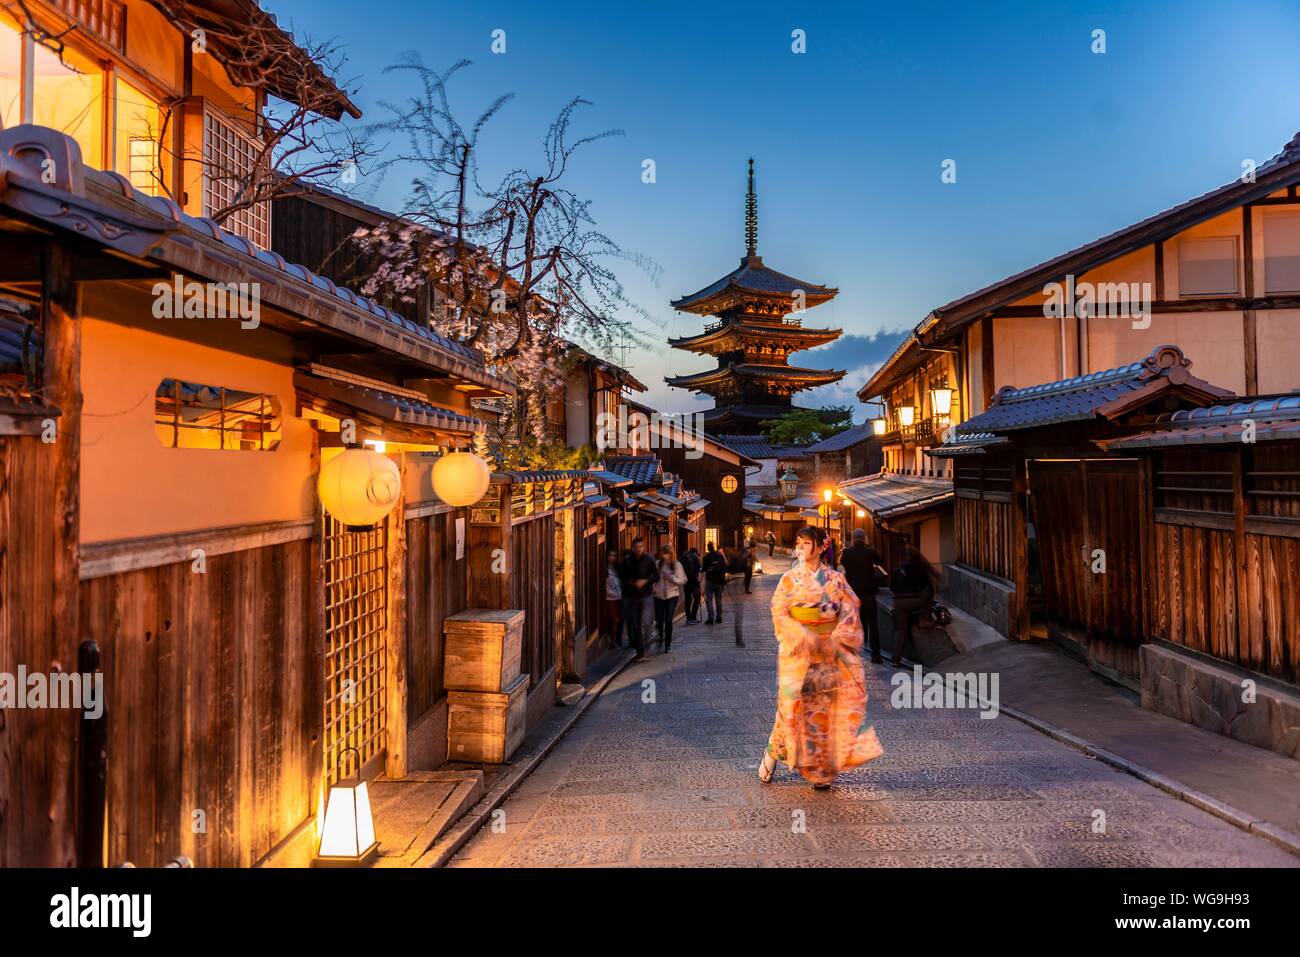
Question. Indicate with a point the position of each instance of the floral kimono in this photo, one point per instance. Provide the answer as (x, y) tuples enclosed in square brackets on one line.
[(821, 701)]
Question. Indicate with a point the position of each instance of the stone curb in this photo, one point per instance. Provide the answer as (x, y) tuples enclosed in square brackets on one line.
[(1211, 805), (447, 846)]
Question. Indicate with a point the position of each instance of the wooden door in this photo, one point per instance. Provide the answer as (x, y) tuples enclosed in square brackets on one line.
[(1087, 514)]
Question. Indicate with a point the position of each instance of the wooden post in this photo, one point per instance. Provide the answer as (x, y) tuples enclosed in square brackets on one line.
[(61, 387), (1249, 332), (395, 643)]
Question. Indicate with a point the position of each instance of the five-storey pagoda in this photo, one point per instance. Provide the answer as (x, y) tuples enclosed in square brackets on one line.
[(753, 338)]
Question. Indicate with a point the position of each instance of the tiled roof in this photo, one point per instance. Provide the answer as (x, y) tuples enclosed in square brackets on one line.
[(1274, 419), (610, 479), (641, 469), (1083, 397), (755, 446), (754, 370), (402, 409), (843, 440), (890, 495), (976, 444), (754, 277)]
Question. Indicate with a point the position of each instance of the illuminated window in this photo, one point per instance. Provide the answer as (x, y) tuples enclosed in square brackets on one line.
[(188, 415), (729, 483), (711, 536), (136, 153), (11, 75), (68, 96)]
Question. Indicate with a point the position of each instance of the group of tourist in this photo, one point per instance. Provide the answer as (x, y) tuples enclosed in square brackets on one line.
[(634, 579)]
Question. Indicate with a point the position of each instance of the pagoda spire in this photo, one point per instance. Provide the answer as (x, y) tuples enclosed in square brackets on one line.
[(751, 216)]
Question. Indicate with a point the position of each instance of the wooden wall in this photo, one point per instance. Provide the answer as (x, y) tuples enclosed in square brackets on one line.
[(985, 534), (1226, 566), (214, 685), (435, 588), (37, 748), (532, 581)]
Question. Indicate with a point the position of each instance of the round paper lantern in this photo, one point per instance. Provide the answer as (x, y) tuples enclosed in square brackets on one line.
[(359, 487), (461, 478)]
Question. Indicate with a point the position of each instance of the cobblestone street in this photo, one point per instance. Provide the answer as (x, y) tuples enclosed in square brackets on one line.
[(673, 782)]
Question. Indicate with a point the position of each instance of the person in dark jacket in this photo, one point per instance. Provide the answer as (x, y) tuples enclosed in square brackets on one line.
[(861, 564), (771, 543), (691, 564), (747, 564), (715, 580), (913, 583), (638, 573)]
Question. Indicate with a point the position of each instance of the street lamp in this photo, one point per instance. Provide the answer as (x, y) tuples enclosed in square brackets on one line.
[(941, 400), (826, 508), (878, 426), (789, 483), (906, 415), (348, 832)]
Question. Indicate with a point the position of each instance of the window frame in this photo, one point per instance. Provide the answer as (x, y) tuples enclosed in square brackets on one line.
[(1236, 266)]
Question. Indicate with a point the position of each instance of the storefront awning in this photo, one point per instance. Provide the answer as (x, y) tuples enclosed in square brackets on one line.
[(696, 504), (342, 394), (977, 444), (610, 479), (889, 495), (657, 510), (607, 510), (689, 526)]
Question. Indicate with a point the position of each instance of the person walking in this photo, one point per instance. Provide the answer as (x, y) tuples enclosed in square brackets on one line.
[(668, 584), (821, 700), (691, 565), (771, 543), (747, 563), (638, 576), (715, 579), (614, 599), (913, 583), (862, 564)]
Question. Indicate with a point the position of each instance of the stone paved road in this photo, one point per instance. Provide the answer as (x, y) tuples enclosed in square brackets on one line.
[(673, 783)]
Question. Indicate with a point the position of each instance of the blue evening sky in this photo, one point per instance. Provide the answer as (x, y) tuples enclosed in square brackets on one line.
[(1054, 145)]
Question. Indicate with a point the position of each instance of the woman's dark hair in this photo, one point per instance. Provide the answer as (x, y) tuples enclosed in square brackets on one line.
[(814, 534)]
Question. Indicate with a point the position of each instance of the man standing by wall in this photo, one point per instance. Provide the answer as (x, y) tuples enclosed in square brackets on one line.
[(860, 564)]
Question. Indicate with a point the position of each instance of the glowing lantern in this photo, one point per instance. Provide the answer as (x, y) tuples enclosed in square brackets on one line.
[(941, 401), (359, 487), (461, 478), (862, 513), (347, 836), (906, 413), (878, 426), (826, 495)]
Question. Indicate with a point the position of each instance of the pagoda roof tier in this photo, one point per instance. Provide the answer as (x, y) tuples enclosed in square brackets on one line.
[(730, 336), (791, 378), (744, 418), (753, 281)]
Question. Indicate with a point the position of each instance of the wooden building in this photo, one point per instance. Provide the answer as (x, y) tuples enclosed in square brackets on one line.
[(1046, 536), (1216, 275)]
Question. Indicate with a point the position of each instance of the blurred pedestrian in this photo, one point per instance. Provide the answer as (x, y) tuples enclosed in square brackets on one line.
[(614, 599), (638, 576), (692, 566), (668, 585), (715, 579), (863, 568)]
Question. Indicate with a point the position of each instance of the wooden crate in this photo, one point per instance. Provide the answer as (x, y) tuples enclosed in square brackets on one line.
[(485, 726), (483, 649)]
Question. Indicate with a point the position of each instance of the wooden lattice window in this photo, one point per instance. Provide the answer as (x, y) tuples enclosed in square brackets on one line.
[(229, 157), (190, 415), (1273, 481), (1195, 481), (356, 621), (106, 19)]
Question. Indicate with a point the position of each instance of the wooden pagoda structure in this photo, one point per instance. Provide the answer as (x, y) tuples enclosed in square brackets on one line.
[(759, 324)]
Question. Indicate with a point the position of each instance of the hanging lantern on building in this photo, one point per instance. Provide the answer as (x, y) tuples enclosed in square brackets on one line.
[(347, 837), (906, 415), (878, 426), (461, 478), (359, 487), (941, 400)]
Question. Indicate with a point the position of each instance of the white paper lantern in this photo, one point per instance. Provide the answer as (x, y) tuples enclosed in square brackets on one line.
[(461, 478), (359, 487)]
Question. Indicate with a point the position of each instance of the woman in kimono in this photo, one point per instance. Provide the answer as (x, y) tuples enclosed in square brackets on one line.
[(821, 699)]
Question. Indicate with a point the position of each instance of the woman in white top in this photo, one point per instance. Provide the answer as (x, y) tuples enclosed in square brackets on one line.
[(667, 592), (614, 599)]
